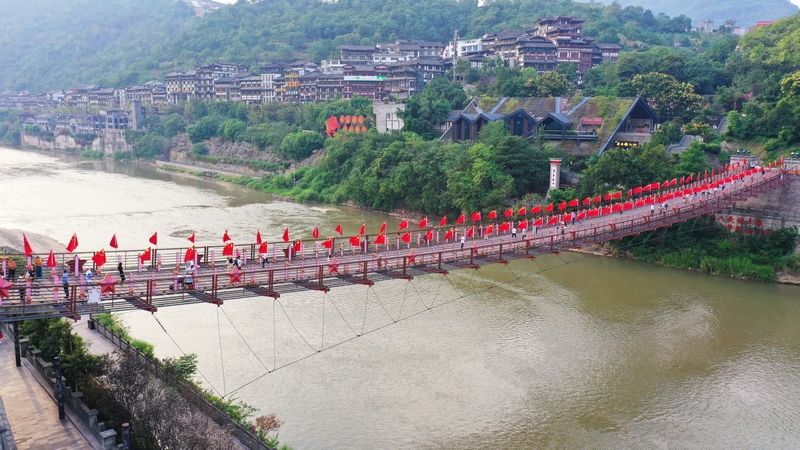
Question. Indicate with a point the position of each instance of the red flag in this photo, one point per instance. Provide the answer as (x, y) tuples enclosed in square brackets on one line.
[(363, 229), (228, 249), (476, 217), (263, 248), (597, 199), (404, 225), (154, 238), (443, 222), (113, 243), (51, 260), (538, 222), (27, 245), (562, 206), (617, 195), (383, 228), (607, 210), (549, 208), (338, 229), (673, 182), (298, 246), (689, 178), (504, 227), (492, 215), (99, 258), (355, 240), (536, 210), (616, 208), (406, 237), (315, 233), (573, 203), (488, 230), (471, 231), (607, 197), (258, 237), (285, 235), (423, 223), (705, 175), (665, 184), (225, 237), (429, 235), (73, 243), (655, 185), (448, 235), (552, 220), (460, 219), (637, 190), (190, 254), (683, 180), (380, 239), (587, 201), (509, 212), (521, 211), (328, 243), (523, 225), (145, 256), (191, 238), (582, 215), (630, 192)]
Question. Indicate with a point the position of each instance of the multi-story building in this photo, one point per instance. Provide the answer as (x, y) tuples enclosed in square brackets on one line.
[(269, 73), (356, 54), (180, 86), (103, 98), (331, 66), (365, 81), (252, 89), (462, 47), (330, 85), (308, 86)]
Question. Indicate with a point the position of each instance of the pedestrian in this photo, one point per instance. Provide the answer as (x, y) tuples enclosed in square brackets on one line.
[(572, 216), (65, 283), (121, 271), (89, 276), (652, 209), (12, 269), (513, 232), (237, 262), (37, 263), (463, 239)]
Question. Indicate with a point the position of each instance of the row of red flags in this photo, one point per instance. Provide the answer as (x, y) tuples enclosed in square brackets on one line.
[(100, 258)]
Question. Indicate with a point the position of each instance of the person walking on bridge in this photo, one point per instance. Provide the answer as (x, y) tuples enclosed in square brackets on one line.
[(65, 283), (12, 269), (121, 271), (37, 263)]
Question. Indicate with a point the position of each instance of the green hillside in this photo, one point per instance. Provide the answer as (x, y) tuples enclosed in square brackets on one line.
[(48, 44), (745, 12)]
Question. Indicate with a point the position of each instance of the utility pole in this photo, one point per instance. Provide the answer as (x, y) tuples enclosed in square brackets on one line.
[(455, 52)]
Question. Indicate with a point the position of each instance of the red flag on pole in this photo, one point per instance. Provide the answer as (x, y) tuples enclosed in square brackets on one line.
[(443, 222), (549, 208), (587, 201), (504, 227), (406, 237), (51, 260), (637, 190), (328, 243), (597, 199), (573, 203), (263, 248), (552, 220), (429, 235), (673, 182), (488, 230), (607, 197), (538, 222), (521, 211), (617, 195), (355, 240), (258, 237), (404, 225), (523, 225), (338, 229), (286, 235), (630, 192), (380, 239), (73, 243), (423, 223), (298, 246), (383, 228), (562, 206), (190, 254), (315, 233), (363, 229), (99, 258), (448, 235), (145, 256), (228, 249), (536, 210), (460, 219), (492, 215), (27, 245), (225, 237), (154, 238), (471, 231), (113, 242), (476, 217), (191, 238)]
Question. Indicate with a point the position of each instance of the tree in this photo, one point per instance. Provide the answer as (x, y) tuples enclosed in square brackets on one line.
[(554, 84), (693, 160), (670, 97), (203, 129), (627, 168), (232, 130), (299, 146), (428, 109), (173, 125)]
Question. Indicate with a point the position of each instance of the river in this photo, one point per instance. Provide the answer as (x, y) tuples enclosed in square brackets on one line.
[(567, 351)]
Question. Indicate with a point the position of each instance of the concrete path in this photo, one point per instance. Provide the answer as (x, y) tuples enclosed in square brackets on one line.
[(32, 411), (98, 344)]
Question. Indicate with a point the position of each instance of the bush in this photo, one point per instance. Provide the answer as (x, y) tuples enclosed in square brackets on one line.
[(299, 146), (199, 149), (205, 128)]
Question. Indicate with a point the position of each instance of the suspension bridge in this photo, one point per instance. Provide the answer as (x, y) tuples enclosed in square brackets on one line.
[(162, 284)]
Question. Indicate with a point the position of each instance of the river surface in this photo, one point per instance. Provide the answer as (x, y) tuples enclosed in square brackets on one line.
[(567, 351)]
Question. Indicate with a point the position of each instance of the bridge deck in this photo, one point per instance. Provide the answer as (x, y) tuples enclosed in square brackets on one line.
[(151, 289)]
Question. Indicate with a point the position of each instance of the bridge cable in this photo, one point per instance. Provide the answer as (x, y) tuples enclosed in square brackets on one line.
[(372, 288), (184, 353), (341, 315), (243, 339), (221, 359), (322, 338), (295, 328)]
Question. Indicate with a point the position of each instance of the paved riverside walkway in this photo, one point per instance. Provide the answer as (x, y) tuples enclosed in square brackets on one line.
[(32, 411), (98, 345)]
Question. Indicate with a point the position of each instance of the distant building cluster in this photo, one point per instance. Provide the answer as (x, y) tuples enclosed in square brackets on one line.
[(382, 72)]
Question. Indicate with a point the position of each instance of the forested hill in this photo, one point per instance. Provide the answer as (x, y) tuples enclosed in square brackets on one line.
[(745, 12), (49, 44)]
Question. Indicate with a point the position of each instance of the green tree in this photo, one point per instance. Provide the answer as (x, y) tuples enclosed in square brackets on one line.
[(627, 168), (204, 129), (693, 160), (232, 130), (173, 125), (670, 97), (299, 146), (150, 146), (554, 84)]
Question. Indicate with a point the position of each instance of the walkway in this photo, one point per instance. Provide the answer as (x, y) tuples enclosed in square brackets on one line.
[(32, 411), (398, 257)]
